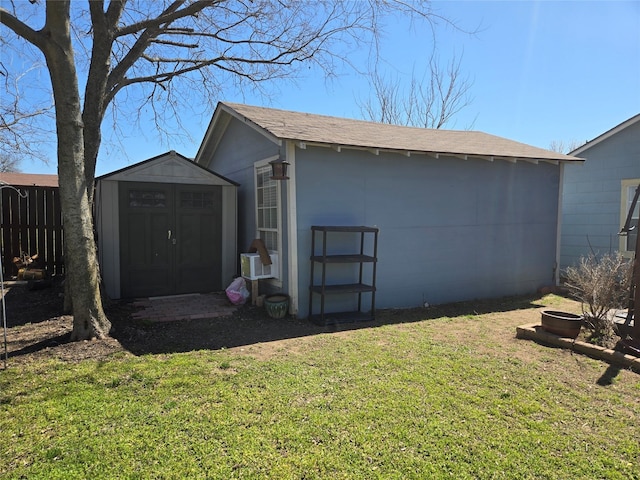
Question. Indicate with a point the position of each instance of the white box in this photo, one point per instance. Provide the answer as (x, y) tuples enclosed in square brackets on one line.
[(252, 268)]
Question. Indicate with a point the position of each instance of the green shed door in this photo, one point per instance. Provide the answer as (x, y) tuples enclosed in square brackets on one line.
[(170, 238)]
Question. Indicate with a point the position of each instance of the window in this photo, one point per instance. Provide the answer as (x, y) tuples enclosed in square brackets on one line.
[(628, 242), (267, 208), (147, 199), (196, 199)]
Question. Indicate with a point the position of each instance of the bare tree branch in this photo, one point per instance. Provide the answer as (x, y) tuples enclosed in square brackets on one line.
[(561, 146), (9, 162), (20, 28), (429, 103), (22, 116)]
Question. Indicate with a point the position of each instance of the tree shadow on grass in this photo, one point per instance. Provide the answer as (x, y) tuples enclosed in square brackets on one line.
[(27, 303), (41, 345), (609, 375)]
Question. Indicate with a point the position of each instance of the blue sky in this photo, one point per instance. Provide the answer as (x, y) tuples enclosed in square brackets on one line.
[(542, 71)]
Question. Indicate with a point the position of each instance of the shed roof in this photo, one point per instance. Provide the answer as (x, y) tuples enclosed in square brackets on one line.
[(306, 128), (169, 167), (29, 179)]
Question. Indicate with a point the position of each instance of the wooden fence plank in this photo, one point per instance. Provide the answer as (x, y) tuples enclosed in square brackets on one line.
[(31, 241), (41, 226), (50, 245), (14, 227), (23, 216), (58, 234), (7, 255)]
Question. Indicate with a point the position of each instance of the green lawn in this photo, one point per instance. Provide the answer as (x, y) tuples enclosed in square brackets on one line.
[(405, 400)]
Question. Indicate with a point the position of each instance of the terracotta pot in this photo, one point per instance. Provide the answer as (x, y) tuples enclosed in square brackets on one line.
[(561, 323), (277, 305)]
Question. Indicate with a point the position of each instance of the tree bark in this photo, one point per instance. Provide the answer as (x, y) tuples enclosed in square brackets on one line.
[(89, 320), (95, 90)]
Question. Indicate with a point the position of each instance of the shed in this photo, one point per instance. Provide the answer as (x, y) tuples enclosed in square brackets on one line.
[(459, 214), (165, 226)]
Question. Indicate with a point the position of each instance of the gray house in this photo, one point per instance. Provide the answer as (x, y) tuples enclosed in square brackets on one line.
[(460, 214), (165, 226), (596, 195)]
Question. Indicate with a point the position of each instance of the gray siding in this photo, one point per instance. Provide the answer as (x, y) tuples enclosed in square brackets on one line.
[(450, 229), (592, 195), (239, 148)]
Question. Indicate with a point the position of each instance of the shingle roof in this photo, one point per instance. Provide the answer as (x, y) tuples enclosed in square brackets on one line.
[(29, 179), (321, 129)]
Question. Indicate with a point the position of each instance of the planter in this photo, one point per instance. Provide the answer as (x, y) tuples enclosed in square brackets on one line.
[(561, 323), (277, 305)]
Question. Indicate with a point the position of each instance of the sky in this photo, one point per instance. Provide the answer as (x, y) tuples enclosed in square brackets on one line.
[(540, 72)]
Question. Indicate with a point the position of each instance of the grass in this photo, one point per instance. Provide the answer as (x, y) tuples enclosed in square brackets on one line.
[(398, 401)]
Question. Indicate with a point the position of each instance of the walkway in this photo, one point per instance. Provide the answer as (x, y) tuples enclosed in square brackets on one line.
[(184, 307)]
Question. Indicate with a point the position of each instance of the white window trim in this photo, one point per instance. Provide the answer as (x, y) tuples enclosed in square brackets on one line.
[(624, 211), (276, 282)]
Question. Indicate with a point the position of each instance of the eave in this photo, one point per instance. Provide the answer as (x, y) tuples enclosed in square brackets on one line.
[(408, 153)]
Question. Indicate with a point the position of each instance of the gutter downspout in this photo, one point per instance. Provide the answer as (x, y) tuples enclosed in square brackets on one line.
[(292, 229), (559, 226)]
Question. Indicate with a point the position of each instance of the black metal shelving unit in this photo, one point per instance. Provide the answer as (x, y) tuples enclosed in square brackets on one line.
[(323, 289)]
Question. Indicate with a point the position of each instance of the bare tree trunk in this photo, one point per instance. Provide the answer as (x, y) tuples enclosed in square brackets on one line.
[(89, 320)]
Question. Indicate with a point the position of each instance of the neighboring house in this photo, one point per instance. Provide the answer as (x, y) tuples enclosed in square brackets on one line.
[(18, 179), (596, 195), (461, 214)]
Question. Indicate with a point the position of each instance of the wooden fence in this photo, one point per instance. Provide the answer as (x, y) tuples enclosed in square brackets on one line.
[(31, 225)]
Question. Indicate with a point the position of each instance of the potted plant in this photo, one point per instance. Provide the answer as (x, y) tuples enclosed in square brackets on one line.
[(601, 284), (277, 305)]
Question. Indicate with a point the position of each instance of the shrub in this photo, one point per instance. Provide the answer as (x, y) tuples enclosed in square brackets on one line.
[(601, 284)]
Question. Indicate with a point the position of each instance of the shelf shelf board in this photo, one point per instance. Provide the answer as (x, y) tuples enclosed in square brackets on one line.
[(339, 228), (343, 288), (353, 258)]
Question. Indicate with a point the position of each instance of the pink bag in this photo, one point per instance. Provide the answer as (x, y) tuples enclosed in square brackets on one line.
[(237, 292)]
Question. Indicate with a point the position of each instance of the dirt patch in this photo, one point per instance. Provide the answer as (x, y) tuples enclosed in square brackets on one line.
[(38, 329)]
